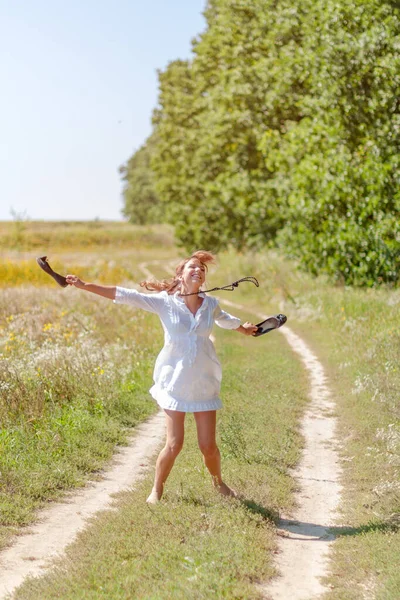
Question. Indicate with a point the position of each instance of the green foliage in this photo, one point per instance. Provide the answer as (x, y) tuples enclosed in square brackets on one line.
[(285, 129), (209, 169), (339, 167), (142, 205)]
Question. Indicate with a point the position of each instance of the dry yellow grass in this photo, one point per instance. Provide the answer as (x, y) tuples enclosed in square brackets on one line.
[(104, 252), (50, 236), (22, 272)]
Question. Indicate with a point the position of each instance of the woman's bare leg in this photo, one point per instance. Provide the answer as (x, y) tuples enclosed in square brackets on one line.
[(206, 429), (175, 421)]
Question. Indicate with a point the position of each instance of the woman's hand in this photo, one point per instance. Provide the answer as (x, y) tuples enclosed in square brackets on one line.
[(74, 280), (248, 328)]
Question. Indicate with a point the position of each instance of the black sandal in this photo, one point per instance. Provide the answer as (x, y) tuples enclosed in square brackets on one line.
[(270, 324), (44, 264)]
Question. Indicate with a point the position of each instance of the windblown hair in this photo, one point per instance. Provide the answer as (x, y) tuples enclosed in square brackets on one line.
[(173, 285)]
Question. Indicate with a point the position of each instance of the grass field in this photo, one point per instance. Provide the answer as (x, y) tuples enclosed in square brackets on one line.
[(105, 252), (197, 544), (74, 371), (61, 354), (47, 236), (356, 334)]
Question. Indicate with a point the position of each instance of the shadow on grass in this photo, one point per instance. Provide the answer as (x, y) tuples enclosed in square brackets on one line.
[(267, 513), (299, 530), (381, 526)]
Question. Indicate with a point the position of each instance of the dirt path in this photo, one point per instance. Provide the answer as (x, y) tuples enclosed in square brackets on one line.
[(60, 523), (305, 538), (300, 562)]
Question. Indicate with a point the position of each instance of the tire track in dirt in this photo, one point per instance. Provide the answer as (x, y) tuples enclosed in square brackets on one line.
[(302, 558), (304, 536), (58, 525)]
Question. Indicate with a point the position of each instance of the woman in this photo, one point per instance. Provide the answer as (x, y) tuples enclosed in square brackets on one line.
[(187, 373)]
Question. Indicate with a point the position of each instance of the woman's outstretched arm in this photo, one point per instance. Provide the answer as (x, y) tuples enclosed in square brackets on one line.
[(227, 321), (107, 291)]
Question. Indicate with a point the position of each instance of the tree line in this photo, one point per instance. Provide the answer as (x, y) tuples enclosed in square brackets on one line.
[(282, 130)]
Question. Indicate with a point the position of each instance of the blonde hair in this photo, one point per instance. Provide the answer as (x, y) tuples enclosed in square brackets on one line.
[(172, 285)]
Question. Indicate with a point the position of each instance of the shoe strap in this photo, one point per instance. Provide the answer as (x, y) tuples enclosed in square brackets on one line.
[(227, 288)]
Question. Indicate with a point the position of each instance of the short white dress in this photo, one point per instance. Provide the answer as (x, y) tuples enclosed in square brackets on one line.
[(187, 374)]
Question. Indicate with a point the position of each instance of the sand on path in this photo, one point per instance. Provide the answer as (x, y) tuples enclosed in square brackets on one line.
[(59, 524), (304, 536)]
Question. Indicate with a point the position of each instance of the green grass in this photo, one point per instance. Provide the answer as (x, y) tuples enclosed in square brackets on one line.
[(356, 335), (42, 457), (74, 374), (196, 544), (74, 369)]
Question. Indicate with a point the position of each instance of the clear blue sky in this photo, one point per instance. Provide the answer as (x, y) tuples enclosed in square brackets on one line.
[(79, 84)]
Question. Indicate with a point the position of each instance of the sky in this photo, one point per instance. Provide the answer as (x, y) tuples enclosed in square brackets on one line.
[(78, 87)]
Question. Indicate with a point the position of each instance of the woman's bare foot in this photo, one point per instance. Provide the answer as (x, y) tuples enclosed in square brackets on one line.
[(154, 497), (225, 490)]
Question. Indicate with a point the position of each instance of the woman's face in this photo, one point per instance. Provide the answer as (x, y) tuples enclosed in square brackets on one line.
[(193, 274)]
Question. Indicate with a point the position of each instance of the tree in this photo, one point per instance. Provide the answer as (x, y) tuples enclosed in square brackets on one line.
[(285, 129), (142, 204)]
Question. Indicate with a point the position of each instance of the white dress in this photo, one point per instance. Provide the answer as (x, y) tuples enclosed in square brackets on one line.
[(187, 374)]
